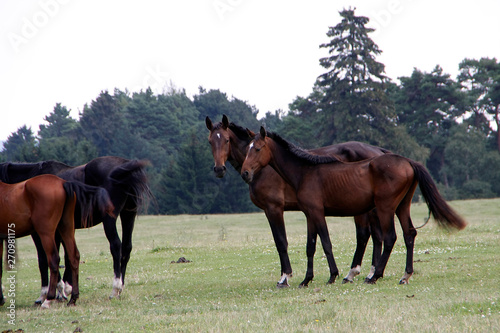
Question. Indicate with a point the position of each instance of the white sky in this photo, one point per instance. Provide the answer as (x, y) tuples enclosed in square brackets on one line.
[(263, 52)]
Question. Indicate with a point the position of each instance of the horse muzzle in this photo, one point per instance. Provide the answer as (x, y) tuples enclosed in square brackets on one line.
[(247, 176), (220, 171)]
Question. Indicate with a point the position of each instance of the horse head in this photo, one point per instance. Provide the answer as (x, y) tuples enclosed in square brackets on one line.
[(219, 141), (258, 155)]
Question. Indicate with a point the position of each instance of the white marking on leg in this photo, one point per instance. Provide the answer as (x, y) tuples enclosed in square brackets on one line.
[(372, 272), (117, 287), (43, 295), (68, 288), (405, 279), (60, 291), (353, 273), (46, 304), (284, 280)]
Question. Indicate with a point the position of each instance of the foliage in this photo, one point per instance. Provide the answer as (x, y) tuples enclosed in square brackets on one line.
[(449, 124)]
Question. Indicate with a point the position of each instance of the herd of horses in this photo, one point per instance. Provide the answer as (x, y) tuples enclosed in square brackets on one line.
[(49, 200)]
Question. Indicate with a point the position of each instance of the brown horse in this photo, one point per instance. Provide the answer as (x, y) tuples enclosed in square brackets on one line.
[(271, 193), (327, 186), (46, 204)]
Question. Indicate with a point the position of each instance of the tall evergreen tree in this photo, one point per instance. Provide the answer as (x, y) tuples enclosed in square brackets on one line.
[(21, 146)]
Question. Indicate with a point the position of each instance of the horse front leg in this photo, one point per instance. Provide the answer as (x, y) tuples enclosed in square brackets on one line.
[(115, 247), (312, 235), (327, 248), (276, 222)]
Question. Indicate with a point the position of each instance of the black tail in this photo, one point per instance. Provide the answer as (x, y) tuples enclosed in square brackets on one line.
[(89, 198), (131, 177), (441, 211)]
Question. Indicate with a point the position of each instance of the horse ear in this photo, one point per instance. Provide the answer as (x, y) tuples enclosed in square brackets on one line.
[(209, 124), (250, 133), (262, 132), (225, 121)]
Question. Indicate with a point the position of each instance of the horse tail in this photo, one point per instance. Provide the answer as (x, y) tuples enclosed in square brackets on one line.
[(441, 211), (131, 177), (89, 198)]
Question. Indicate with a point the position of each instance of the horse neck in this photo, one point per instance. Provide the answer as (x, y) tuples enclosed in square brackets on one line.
[(286, 164), (238, 151)]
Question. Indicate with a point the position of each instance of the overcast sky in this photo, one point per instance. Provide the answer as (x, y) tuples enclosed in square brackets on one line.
[(263, 52)]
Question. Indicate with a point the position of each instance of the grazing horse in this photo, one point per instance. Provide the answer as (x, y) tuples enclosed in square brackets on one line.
[(125, 181), (271, 193), (46, 204), (327, 186)]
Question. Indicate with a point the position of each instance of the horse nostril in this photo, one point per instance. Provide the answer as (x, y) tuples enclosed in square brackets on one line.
[(223, 168)]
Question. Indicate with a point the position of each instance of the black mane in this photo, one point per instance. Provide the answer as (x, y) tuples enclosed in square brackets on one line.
[(240, 132), (301, 153)]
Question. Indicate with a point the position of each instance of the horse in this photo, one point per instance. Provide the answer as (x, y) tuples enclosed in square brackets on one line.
[(327, 186), (127, 184), (268, 191), (46, 204)]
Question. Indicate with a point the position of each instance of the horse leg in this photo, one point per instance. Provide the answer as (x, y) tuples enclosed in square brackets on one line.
[(377, 239), (115, 247), (276, 222), (49, 246), (71, 251), (43, 267), (389, 237), (362, 236), (64, 285), (128, 219), (312, 235), (327, 249), (2, 299), (409, 234)]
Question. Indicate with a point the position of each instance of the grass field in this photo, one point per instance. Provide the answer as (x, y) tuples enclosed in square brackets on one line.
[(229, 285)]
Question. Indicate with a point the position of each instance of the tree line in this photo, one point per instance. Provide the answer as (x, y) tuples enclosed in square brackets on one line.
[(450, 124)]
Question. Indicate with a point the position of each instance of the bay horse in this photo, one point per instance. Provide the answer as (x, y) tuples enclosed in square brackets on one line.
[(269, 192), (127, 184), (46, 204), (327, 186)]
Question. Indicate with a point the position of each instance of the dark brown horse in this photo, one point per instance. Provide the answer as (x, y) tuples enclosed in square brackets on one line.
[(127, 184), (46, 204), (327, 186), (271, 193)]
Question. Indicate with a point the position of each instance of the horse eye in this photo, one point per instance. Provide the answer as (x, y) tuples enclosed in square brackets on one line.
[(257, 149)]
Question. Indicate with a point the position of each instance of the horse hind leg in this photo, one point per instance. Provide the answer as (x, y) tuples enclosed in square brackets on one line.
[(389, 238), (362, 236), (409, 234), (49, 247)]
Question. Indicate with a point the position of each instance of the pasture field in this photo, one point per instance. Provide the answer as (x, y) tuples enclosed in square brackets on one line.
[(229, 283)]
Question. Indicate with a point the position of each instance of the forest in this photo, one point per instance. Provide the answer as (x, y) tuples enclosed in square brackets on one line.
[(449, 124)]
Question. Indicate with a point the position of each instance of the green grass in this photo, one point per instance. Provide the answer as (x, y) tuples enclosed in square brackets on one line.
[(229, 285)]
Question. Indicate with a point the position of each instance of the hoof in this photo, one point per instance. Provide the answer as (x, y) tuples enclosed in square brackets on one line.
[(282, 285), (2, 301), (403, 281), (46, 304), (72, 301), (117, 288), (346, 280), (370, 281), (332, 279)]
